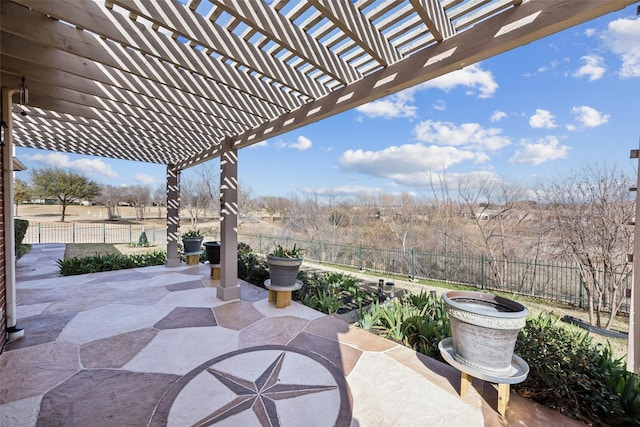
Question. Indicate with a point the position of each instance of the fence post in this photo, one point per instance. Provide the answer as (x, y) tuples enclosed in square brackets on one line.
[(130, 234), (104, 233), (360, 256), (39, 235), (260, 243), (413, 264), (580, 294), (482, 271), (73, 232), (320, 251)]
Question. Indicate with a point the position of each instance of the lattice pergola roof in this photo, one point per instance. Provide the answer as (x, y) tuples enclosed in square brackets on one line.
[(166, 82)]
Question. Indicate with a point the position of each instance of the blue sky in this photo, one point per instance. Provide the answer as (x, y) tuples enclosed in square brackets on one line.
[(535, 112)]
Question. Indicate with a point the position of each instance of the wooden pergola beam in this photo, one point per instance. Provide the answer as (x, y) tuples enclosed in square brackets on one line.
[(505, 31)]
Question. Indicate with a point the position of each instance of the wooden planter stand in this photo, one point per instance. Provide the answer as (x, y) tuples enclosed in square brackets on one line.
[(192, 258), (503, 392), (215, 271), (281, 295)]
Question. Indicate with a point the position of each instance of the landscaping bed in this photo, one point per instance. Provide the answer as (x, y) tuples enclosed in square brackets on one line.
[(569, 371)]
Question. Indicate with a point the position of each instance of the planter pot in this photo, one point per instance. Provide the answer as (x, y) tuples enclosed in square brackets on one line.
[(283, 271), (484, 329), (212, 250), (192, 244)]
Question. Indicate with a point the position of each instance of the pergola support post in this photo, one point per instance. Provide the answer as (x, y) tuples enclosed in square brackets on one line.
[(229, 285), (173, 215), (633, 343)]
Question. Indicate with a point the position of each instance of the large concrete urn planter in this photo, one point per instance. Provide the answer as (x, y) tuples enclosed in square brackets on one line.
[(283, 271), (484, 329)]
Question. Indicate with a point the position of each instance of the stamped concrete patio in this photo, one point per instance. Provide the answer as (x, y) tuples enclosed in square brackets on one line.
[(154, 346)]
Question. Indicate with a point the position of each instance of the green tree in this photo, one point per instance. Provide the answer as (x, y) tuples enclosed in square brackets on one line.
[(21, 193), (68, 187)]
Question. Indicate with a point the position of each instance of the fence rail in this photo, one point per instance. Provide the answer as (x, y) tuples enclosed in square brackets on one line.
[(91, 233), (552, 281), (558, 282)]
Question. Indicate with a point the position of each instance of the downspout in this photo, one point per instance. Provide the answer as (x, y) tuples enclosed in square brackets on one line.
[(13, 330)]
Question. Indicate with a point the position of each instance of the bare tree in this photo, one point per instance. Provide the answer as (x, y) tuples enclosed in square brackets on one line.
[(110, 196), (159, 198), (275, 205), (321, 220), (591, 209), (401, 214), (490, 204), (207, 180), (138, 196), (194, 198), (244, 198)]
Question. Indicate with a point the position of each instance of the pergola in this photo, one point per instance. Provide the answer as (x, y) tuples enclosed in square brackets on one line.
[(181, 82)]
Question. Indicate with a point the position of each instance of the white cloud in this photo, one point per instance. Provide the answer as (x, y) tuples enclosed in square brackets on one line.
[(472, 77), (498, 115), (303, 143), (453, 180), (86, 166), (405, 164), (401, 104), (622, 37), (552, 65), (546, 149), (542, 119), (396, 105), (589, 117), (343, 191), (144, 179), (440, 105), (470, 136), (593, 67)]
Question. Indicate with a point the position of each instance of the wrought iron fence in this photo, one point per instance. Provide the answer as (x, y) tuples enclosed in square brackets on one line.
[(91, 233), (553, 281)]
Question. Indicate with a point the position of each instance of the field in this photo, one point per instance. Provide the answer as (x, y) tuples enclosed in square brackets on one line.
[(253, 224)]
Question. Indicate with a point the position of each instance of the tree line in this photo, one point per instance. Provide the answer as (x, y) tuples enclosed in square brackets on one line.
[(581, 217), (68, 188)]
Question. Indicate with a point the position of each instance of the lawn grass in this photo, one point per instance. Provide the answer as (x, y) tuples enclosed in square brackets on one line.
[(81, 250)]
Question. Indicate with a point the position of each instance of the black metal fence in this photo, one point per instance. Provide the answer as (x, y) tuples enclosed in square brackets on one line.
[(553, 281), (92, 233), (558, 282)]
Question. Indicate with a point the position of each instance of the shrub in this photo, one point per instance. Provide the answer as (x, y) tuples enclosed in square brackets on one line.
[(416, 321), (332, 292), (20, 229), (109, 262), (571, 374), (250, 267), (568, 372)]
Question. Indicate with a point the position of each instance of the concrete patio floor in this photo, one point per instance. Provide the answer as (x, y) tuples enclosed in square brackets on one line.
[(154, 346)]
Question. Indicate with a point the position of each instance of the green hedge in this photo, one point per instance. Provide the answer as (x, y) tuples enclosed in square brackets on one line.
[(20, 227), (109, 262)]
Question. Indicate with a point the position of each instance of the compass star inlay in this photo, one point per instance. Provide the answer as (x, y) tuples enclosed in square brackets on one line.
[(259, 395), (261, 386)]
